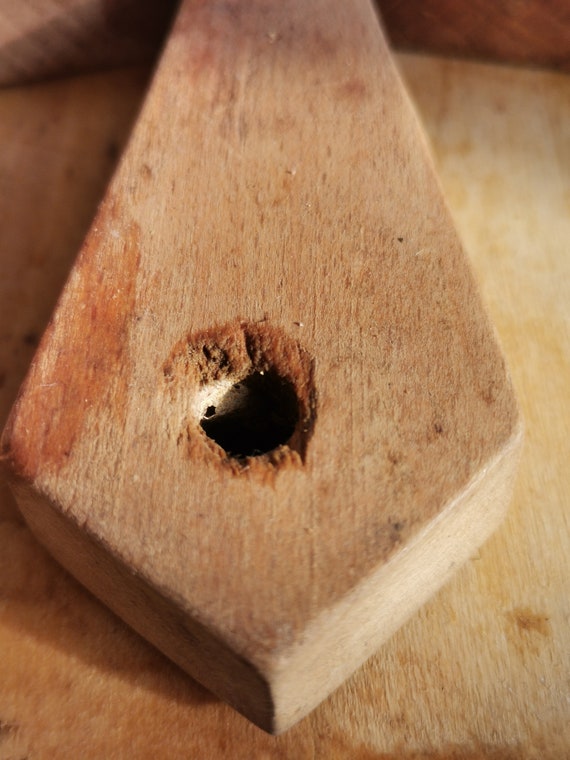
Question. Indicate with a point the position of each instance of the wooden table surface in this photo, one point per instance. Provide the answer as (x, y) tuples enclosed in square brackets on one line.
[(483, 670)]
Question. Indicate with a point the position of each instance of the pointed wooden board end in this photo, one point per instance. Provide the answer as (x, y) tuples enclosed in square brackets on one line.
[(269, 417)]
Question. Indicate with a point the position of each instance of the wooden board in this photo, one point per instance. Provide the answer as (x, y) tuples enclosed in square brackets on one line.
[(40, 39), (269, 418), (482, 670), (518, 31)]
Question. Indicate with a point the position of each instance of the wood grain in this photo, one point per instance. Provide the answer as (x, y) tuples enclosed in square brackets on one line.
[(276, 215), (53, 174), (481, 671), (40, 39)]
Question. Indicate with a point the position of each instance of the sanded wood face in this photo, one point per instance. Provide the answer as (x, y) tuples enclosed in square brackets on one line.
[(273, 257)]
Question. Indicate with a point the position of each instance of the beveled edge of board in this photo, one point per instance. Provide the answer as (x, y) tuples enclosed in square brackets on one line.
[(287, 685)]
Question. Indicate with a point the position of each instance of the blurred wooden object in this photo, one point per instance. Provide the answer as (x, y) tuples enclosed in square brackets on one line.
[(40, 39), (481, 671), (529, 32), (275, 227)]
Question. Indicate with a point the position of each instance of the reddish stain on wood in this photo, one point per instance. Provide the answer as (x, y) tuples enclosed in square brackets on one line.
[(68, 383), (353, 89)]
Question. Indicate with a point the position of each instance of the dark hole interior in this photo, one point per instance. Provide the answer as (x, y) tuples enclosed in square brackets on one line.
[(255, 416)]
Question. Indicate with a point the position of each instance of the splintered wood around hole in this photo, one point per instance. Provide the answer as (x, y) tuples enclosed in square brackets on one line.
[(251, 390)]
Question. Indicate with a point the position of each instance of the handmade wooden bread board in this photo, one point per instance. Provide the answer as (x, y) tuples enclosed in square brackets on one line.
[(276, 215)]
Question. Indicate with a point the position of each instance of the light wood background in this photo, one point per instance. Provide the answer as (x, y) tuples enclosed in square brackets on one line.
[(483, 671)]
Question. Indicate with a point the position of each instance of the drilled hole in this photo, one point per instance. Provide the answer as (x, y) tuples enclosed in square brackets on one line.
[(254, 416)]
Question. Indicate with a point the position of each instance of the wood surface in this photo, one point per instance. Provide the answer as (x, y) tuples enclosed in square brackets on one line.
[(40, 39), (275, 225), (482, 670), (517, 31)]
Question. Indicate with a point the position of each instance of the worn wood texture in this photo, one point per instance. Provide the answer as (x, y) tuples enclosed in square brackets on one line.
[(59, 147), (482, 670), (275, 222), (46, 38)]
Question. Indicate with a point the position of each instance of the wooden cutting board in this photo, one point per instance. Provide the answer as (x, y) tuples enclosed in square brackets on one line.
[(482, 671)]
